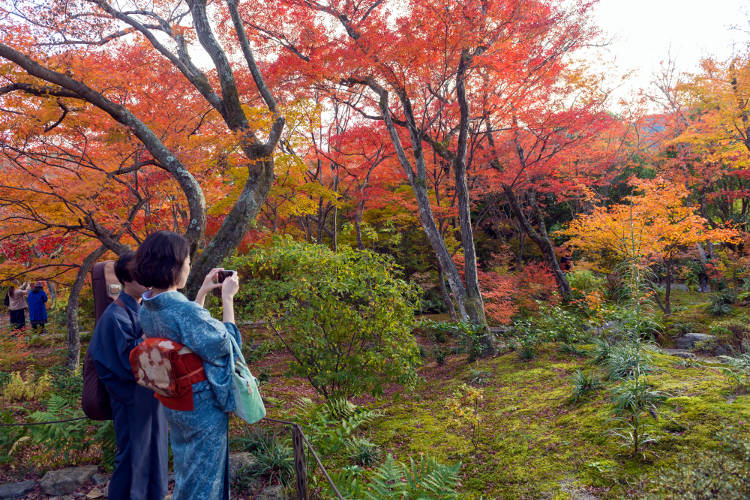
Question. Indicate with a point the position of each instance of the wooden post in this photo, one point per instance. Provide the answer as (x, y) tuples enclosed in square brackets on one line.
[(300, 466)]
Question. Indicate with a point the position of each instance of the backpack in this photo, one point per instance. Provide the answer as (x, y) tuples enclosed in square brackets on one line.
[(169, 369), (7, 300), (95, 396)]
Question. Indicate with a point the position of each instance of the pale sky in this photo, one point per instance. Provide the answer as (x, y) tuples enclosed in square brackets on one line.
[(643, 32)]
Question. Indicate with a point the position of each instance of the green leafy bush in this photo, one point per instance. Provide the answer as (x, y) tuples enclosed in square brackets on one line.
[(440, 353), (585, 281), (601, 350), (363, 452), (251, 438), (471, 337), (10, 437), (69, 438), (737, 371), (526, 339), (330, 426), (274, 461), (583, 385), (627, 359), (634, 401), (345, 317), (425, 479), (734, 332), (721, 302), (631, 322), (559, 324)]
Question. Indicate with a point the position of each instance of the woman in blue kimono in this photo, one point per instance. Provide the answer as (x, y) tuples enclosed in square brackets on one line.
[(199, 437)]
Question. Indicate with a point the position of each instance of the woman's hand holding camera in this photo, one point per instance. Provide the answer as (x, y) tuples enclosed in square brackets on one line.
[(222, 283), (230, 286)]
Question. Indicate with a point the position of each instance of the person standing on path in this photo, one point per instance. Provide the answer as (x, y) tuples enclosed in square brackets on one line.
[(141, 463), (37, 300), (17, 305), (200, 436)]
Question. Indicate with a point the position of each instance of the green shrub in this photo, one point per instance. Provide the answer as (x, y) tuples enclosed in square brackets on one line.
[(71, 438), (274, 461), (470, 336), (601, 350), (737, 371), (634, 401), (585, 281), (707, 346), (635, 323), (330, 426), (734, 332), (683, 327), (559, 324), (721, 302), (478, 377), (572, 350), (252, 438), (345, 317), (627, 359), (440, 355), (10, 437), (583, 385), (425, 478), (363, 452)]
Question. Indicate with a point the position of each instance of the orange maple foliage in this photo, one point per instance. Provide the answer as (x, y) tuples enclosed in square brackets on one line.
[(653, 227)]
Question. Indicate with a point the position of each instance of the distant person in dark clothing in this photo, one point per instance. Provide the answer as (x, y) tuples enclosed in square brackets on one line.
[(37, 300), (17, 305), (140, 425)]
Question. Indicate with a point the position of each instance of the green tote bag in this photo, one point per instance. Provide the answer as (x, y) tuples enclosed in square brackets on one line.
[(249, 405)]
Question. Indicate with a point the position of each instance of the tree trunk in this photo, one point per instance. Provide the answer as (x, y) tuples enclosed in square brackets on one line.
[(541, 240), (474, 302), (71, 312), (52, 292), (446, 296), (235, 225), (418, 182)]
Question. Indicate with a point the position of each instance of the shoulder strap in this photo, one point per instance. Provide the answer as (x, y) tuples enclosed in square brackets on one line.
[(236, 354)]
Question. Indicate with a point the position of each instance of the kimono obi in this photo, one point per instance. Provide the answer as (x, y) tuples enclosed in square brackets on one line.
[(169, 369)]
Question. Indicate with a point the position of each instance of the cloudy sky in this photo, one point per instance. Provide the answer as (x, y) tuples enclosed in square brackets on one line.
[(644, 32)]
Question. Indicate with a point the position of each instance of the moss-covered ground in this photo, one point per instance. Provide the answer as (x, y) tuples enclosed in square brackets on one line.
[(534, 443)]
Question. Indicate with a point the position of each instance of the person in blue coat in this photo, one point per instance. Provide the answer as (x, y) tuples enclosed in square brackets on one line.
[(199, 437), (141, 463), (37, 300)]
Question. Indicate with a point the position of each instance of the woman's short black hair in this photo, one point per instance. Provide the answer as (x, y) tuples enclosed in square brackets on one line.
[(159, 259), (124, 267)]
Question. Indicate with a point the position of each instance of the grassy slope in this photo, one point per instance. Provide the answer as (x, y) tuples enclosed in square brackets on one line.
[(536, 444)]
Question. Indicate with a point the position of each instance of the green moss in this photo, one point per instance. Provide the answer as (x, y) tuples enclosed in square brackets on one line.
[(535, 444)]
